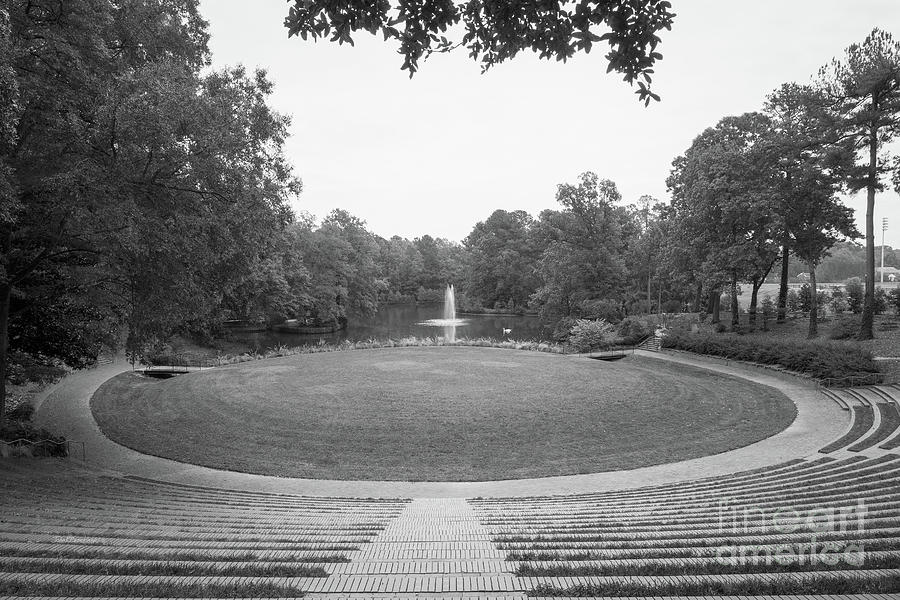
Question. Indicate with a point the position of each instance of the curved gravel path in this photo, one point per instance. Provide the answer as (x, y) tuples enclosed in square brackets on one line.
[(66, 409)]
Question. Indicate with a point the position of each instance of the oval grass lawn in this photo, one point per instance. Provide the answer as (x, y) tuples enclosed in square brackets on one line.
[(438, 414)]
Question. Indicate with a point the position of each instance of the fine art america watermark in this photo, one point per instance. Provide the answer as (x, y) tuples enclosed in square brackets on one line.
[(791, 536)]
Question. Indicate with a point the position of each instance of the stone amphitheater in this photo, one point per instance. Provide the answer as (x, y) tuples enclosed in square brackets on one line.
[(811, 511)]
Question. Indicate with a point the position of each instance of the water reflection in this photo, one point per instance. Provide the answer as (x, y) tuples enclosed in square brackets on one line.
[(403, 320)]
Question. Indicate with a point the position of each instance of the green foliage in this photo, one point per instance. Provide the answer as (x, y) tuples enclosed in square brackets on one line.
[(501, 258), (894, 299), (32, 368), (839, 301), (804, 296), (793, 300), (844, 327), (141, 188), (863, 91), (817, 359), (584, 248), (724, 178), (855, 293), (407, 342), (586, 335), (881, 301), (423, 295), (604, 308), (631, 330), (493, 34), (18, 426)]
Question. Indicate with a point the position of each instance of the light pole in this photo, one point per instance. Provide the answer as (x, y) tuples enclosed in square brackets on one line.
[(883, 229)]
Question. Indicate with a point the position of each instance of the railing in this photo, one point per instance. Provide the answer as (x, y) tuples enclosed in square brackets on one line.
[(851, 380), (615, 351), (643, 340), (175, 363), (18, 443)]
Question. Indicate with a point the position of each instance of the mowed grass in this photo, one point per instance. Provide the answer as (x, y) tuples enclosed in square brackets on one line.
[(438, 414)]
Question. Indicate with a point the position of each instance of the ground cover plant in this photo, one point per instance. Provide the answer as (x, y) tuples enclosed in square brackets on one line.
[(458, 413), (814, 358)]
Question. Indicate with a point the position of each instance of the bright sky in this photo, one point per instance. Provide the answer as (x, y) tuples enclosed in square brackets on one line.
[(435, 154)]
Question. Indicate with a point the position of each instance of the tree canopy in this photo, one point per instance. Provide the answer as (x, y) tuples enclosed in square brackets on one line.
[(863, 89), (493, 31)]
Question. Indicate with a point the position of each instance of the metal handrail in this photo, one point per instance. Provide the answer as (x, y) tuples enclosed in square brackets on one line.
[(613, 350), (179, 360), (66, 443), (861, 379)]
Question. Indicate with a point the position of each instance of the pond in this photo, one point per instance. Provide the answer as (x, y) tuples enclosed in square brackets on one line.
[(403, 320)]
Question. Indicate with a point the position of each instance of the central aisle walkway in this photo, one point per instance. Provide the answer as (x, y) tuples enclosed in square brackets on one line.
[(434, 546)]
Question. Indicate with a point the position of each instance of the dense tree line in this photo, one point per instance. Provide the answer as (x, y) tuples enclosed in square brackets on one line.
[(139, 191)]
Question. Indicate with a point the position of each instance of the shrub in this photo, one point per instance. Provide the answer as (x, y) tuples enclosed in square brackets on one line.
[(845, 328), (767, 308), (855, 292), (818, 359), (23, 368), (793, 301), (23, 411), (588, 335), (805, 298), (894, 297), (45, 443), (838, 301), (725, 302), (429, 295), (632, 331), (672, 306), (881, 301), (607, 310)]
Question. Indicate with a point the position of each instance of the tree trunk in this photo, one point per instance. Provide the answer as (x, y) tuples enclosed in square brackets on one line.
[(754, 296), (648, 286), (716, 301), (868, 315), (698, 299), (658, 298), (5, 290), (783, 284), (735, 314), (813, 303)]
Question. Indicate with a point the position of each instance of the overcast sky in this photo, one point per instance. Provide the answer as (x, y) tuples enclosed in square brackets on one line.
[(439, 152)]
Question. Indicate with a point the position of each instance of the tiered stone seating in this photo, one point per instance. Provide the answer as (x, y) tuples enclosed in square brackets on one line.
[(67, 532), (687, 538), (875, 419), (71, 532)]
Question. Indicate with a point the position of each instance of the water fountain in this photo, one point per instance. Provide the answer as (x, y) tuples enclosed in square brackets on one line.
[(449, 321)]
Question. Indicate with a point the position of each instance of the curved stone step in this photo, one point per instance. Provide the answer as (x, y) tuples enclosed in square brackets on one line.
[(863, 417), (888, 424)]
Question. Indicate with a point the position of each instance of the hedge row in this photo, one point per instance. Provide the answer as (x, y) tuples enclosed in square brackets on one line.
[(817, 359)]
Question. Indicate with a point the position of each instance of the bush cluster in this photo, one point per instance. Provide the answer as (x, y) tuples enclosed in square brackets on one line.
[(407, 342), (587, 335), (818, 359), (632, 330), (845, 327)]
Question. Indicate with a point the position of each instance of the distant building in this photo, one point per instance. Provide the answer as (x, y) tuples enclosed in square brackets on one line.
[(890, 273)]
